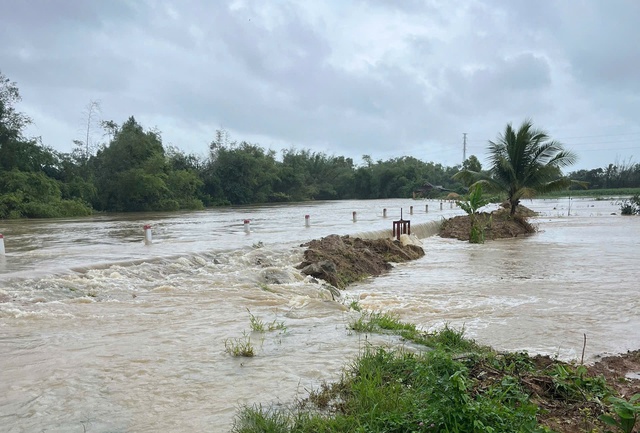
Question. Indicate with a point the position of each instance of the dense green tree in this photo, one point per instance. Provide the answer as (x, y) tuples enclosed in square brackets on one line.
[(342, 172), (615, 175), (35, 195), (246, 173), (29, 172), (594, 177), (363, 182), (185, 187), (295, 182), (130, 172), (178, 160), (12, 122), (472, 164), (17, 152), (524, 162), (329, 177)]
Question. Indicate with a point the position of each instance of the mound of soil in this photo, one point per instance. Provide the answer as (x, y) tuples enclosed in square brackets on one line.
[(498, 224), (342, 260)]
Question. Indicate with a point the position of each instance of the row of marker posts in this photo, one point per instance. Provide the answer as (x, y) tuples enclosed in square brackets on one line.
[(148, 237), (307, 218), (247, 225)]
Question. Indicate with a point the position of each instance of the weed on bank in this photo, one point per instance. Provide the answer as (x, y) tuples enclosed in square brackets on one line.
[(454, 385)]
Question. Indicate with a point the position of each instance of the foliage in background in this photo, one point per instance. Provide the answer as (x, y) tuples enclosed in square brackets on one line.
[(620, 174), (133, 170)]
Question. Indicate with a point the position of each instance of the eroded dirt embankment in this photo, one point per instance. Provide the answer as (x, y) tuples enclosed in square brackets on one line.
[(342, 260)]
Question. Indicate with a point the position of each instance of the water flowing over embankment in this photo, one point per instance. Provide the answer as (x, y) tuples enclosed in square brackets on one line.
[(134, 339), (422, 230)]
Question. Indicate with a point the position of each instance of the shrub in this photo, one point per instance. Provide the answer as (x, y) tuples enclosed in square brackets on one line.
[(630, 206)]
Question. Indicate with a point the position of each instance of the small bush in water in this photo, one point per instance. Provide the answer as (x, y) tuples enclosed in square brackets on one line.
[(630, 206)]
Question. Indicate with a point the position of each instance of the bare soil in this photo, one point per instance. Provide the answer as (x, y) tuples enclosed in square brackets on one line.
[(342, 260)]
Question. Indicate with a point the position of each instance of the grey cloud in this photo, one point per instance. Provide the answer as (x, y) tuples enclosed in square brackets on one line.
[(599, 39), (609, 59), (268, 69), (502, 86)]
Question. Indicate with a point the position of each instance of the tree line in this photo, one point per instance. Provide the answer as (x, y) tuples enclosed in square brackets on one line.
[(621, 174), (132, 170)]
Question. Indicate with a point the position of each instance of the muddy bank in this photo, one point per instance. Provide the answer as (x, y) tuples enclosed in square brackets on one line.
[(498, 224), (342, 260)]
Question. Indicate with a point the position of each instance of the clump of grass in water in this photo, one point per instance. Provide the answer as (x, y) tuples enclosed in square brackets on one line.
[(258, 325), (259, 419), (447, 338), (239, 346), (355, 305)]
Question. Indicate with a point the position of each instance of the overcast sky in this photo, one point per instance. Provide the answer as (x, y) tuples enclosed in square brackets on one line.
[(378, 77)]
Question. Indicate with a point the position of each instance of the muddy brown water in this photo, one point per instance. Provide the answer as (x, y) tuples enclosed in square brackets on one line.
[(100, 333)]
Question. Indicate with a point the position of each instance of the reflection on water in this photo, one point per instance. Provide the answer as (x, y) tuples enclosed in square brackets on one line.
[(137, 343)]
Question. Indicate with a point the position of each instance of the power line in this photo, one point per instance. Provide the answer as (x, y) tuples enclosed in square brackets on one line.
[(601, 150), (604, 142)]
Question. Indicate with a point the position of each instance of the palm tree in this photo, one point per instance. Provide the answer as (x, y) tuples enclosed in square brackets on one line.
[(524, 163)]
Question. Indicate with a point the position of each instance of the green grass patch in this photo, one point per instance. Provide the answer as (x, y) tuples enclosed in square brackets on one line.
[(355, 306), (393, 391), (447, 338), (609, 192)]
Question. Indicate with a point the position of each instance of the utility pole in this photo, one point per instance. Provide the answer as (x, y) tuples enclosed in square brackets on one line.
[(464, 147)]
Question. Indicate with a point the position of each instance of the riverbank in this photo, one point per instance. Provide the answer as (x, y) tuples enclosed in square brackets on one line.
[(444, 382)]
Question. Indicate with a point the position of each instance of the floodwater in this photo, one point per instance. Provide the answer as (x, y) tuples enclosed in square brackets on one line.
[(101, 333)]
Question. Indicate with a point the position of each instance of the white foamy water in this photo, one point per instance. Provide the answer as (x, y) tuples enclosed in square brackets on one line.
[(100, 333)]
